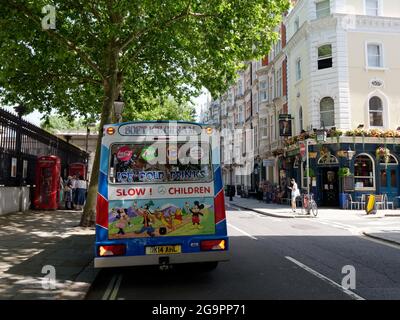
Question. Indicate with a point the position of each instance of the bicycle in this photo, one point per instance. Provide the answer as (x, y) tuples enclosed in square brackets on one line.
[(308, 204)]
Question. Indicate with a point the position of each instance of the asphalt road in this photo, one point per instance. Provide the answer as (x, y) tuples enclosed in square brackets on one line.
[(272, 258)]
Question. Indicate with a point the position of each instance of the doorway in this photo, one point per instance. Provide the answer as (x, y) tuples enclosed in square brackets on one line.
[(389, 182), (330, 187)]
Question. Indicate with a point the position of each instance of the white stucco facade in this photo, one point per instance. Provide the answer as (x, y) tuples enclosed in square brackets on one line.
[(349, 81)]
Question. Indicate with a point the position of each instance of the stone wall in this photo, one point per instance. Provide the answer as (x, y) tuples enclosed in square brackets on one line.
[(14, 199)]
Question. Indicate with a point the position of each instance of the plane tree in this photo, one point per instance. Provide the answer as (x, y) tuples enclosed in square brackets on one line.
[(74, 57)]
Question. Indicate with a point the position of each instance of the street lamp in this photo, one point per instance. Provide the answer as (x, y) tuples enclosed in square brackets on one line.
[(89, 125), (350, 153), (118, 107)]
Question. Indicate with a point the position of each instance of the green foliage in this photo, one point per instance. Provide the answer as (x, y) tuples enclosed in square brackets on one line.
[(144, 48), (176, 47), (344, 172), (159, 109), (54, 123), (309, 173)]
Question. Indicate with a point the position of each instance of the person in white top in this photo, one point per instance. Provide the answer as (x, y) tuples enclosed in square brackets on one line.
[(295, 193), (81, 187)]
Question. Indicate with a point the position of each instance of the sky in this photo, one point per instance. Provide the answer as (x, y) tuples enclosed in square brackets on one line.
[(35, 116), (200, 101)]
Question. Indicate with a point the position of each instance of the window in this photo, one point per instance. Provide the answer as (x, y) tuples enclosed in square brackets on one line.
[(298, 69), (149, 162), (375, 112), (301, 118), (327, 110), (248, 83), (375, 57), (271, 128), (372, 7), (230, 98), (253, 71), (250, 137), (240, 87), (241, 115), (237, 146), (325, 57), (255, 137), (243, 142), (392, 161), (264, 127), (263, 90), (364, 172), (223, 108), (278, 46), (271, 88), (279, 82), (255, 102), (248, 110), (323, 9)]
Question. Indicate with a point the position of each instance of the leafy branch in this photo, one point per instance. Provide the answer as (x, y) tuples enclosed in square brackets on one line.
[(60, 38)]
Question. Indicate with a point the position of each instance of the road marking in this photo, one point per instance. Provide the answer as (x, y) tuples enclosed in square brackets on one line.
[(326, 279), (240, 230), (260, 215), (109, 288), (114, 293), (383, 242), (358, 232), (338, 225)]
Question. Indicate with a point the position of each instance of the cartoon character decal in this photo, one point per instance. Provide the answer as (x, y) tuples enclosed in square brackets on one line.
[(148, 219), (123, 220), (196, 211), (161, 217)]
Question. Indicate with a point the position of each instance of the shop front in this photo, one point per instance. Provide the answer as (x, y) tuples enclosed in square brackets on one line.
[(369, 173)]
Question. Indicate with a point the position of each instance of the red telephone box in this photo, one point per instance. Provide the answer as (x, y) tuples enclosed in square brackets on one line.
[(77, 169), (47, 192)]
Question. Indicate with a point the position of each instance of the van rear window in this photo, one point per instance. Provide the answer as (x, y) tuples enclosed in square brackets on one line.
[(160, 162)]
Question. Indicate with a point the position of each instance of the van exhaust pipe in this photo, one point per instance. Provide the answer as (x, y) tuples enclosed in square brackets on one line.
[(164, 264)]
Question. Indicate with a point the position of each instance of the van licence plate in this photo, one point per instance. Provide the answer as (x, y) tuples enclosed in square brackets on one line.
[(163, 249)]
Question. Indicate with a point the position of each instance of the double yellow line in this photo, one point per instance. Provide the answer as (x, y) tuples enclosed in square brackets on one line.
[(112, 288)]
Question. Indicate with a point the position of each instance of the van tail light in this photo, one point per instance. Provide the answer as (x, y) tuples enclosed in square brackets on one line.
[(113, 250), (208, 245)]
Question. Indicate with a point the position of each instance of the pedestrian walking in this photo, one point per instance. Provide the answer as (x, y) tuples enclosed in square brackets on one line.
[(295, 193), (81, 187)]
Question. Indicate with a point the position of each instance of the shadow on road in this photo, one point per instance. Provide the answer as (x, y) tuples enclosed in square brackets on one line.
[(259, 269)]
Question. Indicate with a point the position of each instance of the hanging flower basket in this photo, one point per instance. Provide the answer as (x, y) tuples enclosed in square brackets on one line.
[(383, 153), (344, 172)]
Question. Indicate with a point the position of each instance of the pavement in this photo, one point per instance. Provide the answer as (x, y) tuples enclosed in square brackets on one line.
[(36, 244), (356, 221)]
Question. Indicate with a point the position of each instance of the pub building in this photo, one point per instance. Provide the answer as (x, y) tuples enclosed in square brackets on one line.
[(372, 162)]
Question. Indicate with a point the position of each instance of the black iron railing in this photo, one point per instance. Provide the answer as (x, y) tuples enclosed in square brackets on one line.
[(22, 142)]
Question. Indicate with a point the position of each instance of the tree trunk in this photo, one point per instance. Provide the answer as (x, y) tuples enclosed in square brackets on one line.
[(112, 87)]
